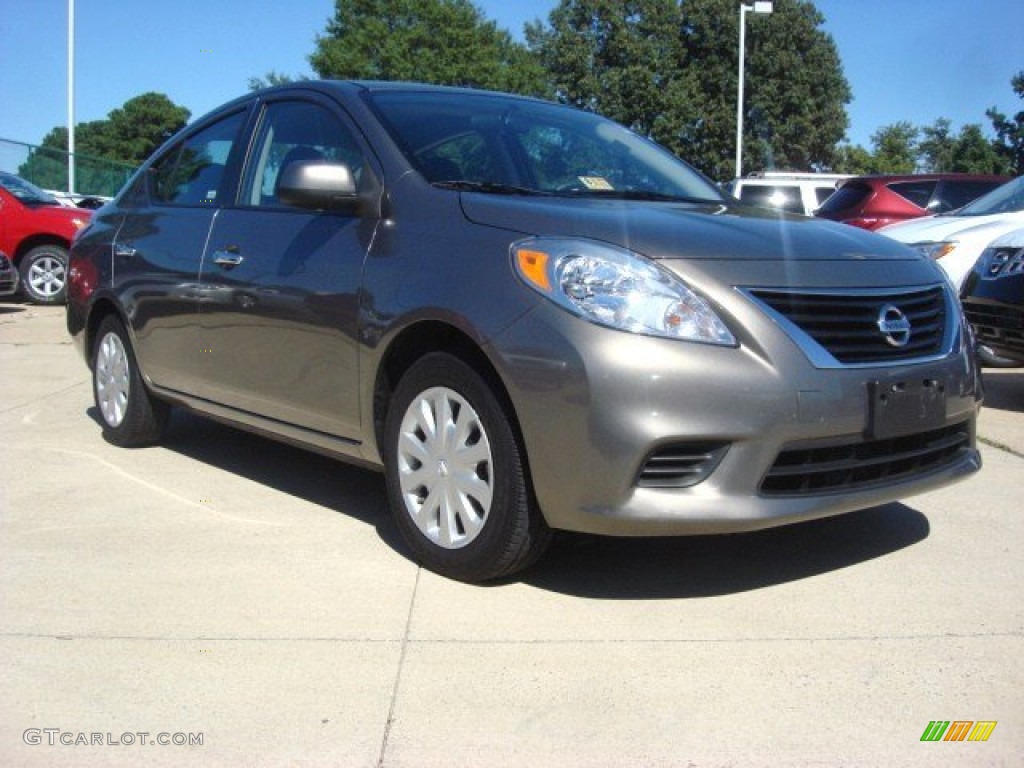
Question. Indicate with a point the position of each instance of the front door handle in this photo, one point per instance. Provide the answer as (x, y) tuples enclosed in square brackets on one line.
[(229, 258)]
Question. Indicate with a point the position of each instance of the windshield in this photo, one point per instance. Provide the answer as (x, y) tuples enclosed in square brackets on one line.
[(27, 193), (1004, 199), (506, 145)]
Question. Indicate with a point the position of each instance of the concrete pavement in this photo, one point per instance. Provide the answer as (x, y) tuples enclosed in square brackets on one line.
[(226, 589)]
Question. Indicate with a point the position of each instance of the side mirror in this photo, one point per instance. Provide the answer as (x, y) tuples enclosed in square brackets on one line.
[(319, 185)]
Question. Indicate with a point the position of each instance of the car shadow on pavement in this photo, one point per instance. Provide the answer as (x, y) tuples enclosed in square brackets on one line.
[(588, 566), (1004, 389), (346, 489), (705, 566)]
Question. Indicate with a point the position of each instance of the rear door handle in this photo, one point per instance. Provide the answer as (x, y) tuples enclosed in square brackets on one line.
[(229, 258), (124, 250)]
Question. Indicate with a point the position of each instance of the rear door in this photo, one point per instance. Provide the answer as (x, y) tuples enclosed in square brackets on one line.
[(279, 313), (167, 215)]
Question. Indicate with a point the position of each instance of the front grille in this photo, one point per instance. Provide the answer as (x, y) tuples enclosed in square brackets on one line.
[(862, 464), (996, 324), (680, 465), (846, 323)]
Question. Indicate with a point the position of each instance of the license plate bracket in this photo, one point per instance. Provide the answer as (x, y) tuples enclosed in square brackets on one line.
[(903, 406)]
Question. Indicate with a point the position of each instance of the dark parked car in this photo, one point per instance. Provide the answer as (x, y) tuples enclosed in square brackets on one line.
[(871, 202), (993, 299), (527, 316), (36, 232), (8, 276)]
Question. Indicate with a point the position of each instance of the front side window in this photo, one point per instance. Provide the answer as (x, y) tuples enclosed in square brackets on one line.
[(292, 131), (192, 173)]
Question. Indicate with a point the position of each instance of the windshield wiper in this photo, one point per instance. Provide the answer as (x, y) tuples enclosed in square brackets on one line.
[(487, 187), (640, 194)]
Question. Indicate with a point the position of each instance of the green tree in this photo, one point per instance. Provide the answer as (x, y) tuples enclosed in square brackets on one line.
[(127, 136), (937, 147), (895, 148), (1010, 130), (448, 42), (623, 60), (668, 69), (272, 78), (795, 91), (855, 159)]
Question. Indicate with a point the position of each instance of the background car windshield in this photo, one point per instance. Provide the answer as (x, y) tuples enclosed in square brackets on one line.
[(500, 142), (1004, 199), (26, 192)]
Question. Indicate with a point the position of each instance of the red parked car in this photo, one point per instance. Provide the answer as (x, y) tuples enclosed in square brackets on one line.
[(36, 232), (871, 202)]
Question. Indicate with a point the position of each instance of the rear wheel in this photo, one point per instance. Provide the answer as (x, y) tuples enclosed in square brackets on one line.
[(456, 477), (131, 416), (44, 272)]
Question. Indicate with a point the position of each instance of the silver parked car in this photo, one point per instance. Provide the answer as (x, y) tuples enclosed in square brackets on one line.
[(528, 317)]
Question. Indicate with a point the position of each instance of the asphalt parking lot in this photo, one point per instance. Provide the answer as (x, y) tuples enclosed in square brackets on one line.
[(232, 591)]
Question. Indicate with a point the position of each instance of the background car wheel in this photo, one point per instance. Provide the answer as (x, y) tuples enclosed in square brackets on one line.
[(131, 416), (44, 272), (456, 477), (990, 359)]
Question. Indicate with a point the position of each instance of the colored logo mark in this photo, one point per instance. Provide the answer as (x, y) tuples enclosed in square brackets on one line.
[(959, 730)]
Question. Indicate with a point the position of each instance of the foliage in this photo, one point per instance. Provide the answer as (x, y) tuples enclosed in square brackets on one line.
[(127, 136), (435, 41), (620, 59), (668, 69), (1010, 130), (272, 78)]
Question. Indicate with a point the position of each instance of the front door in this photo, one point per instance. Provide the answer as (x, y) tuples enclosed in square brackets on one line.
[(279, 286)]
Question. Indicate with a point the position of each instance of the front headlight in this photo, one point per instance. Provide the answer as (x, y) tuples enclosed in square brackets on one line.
[(935, 251), (617, 288)]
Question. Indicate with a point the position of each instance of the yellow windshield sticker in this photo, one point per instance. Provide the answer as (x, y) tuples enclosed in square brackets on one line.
[(595, 182)]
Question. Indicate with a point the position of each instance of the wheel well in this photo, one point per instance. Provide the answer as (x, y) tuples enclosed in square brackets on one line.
[(100, 311), (421, 340), (34, 241)]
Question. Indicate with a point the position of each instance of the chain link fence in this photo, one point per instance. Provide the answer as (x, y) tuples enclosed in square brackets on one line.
[(47, 167)]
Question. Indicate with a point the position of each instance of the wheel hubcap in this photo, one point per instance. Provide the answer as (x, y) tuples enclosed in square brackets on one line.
[(445, 468), (112, 379), (46, 276)]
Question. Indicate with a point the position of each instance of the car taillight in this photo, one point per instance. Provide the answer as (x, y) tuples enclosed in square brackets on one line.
[(82, 276), (866, 222)]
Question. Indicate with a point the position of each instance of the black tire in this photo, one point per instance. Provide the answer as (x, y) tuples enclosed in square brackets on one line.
[(44, 274), (131, 416), (476, 473)]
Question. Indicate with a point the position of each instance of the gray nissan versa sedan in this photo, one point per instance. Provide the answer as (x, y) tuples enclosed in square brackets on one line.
[(527, 316)]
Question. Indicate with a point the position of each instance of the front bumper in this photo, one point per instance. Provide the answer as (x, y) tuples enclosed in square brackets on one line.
[(8, 277), (594, 405)]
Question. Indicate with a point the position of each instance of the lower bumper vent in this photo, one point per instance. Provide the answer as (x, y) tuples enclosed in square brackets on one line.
[(680, 465), (858, 465)]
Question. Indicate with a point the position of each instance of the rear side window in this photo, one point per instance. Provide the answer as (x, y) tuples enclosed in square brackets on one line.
[(957, 194), (192, 173), (847, 196), (786, 198), (822, 194), (917, 192)]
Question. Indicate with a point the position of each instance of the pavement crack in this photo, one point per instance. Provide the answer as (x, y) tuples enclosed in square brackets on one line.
[(1000, 446), (398, 673)]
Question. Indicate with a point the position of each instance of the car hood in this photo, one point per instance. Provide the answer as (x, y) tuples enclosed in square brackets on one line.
[(684, 231), (935, 229)]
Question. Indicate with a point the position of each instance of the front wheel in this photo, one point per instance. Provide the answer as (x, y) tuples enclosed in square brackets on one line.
[(44, 271), (456, 477), (131, 416)]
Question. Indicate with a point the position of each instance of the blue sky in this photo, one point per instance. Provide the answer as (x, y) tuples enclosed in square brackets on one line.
[(913, 60)]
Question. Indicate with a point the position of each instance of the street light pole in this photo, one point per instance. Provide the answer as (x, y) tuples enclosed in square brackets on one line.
[(759, 6), (71, 97)]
